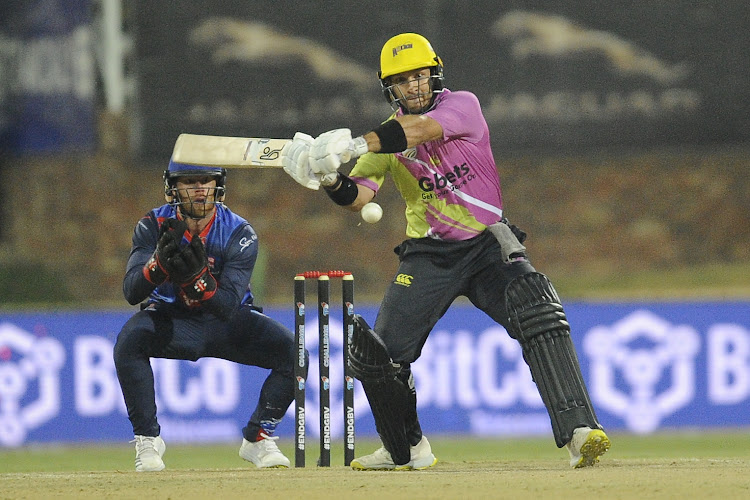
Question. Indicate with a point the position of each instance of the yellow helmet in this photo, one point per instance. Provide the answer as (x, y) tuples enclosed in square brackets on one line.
[(406, 52)]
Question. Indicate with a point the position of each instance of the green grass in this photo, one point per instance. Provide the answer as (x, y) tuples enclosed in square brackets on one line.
[(686, 465), (448, 449), (714, 281)]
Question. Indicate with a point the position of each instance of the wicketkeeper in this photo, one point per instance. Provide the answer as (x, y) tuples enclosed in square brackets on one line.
[(436, 146), (190, 268)]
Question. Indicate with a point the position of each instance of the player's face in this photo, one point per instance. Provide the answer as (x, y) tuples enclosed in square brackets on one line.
[(413, 89), (197, 195)]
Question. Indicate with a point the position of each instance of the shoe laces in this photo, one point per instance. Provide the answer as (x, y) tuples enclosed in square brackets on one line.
[(145, 444), (268, 442)]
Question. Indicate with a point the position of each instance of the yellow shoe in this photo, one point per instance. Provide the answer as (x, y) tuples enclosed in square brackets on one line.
[(421, 457), (587, 446), (379, 460)]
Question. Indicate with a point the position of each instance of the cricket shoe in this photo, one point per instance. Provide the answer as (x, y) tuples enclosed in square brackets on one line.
[(421, 458), (587, 446), (264, 453), (148, 453)]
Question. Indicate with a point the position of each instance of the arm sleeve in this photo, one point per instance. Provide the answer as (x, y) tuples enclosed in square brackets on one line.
[(460, 115), (135, 286), (371, 168), (241, 254)]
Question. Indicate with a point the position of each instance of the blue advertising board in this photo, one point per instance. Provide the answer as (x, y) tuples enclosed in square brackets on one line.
[(648, 366), (47, 76)]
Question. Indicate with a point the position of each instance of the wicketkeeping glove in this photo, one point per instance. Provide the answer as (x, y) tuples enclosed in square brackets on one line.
[(189, 270), (294, 158), (168, 245), (331, 149)]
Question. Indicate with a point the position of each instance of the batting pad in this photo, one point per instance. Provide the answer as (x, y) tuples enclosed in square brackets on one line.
[(540, 325), (389, 397)]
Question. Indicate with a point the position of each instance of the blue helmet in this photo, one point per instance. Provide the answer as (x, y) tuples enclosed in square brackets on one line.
[(175, 170)]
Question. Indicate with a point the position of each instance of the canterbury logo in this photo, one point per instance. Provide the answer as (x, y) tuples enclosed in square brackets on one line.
[(403, 279)]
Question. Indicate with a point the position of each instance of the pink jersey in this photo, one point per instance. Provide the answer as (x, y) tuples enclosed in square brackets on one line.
[(451, 186)]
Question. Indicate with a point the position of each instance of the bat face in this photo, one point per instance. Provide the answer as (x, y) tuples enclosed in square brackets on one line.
[(229, 152)]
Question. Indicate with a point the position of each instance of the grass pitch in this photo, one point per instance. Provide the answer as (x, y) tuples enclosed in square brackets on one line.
[(701, 465)]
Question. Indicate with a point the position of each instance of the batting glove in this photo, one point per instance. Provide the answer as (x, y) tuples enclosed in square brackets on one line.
[(331, 149), (294, 158)]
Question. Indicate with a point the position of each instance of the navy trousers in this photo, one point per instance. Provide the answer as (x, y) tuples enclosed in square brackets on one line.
[(164, 331)]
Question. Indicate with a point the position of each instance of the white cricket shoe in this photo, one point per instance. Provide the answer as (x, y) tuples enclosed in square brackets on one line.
[(586, 446), (421, 458), (148, 453), (264, 453)]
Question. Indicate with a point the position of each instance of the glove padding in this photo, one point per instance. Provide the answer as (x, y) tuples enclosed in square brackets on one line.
[(189, 270), (294, 158), (187, 263), (331, 149), (201, 288), (168, 245)]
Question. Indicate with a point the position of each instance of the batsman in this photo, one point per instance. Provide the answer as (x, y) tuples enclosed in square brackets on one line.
[(436, 146)]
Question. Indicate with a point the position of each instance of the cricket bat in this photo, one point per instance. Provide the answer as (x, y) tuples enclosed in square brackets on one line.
[(229, 152)]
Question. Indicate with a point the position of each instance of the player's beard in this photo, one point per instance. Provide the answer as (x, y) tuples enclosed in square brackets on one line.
[(198, 207), (420, 102)]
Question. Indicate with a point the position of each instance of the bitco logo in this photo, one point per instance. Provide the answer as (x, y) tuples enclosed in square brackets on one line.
[(654, 360), (645, 368), (30, 366)]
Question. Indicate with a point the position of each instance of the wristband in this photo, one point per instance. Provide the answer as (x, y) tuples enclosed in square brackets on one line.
[(392, 137), (345, 191)]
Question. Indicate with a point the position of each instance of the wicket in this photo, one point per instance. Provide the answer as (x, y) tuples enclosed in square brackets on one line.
[(300, 368)]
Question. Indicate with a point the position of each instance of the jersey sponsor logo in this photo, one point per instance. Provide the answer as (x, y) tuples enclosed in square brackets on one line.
[(246, 242), (437, 181), (403, 279)]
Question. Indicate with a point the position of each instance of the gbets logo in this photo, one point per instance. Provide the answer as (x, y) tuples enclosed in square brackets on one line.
[(438, 181)]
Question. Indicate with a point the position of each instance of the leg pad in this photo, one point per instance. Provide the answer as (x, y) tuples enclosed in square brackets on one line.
[(387, 394), (538, 322)]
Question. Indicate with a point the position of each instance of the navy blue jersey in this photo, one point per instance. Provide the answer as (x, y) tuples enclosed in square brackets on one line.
[(232, 248)]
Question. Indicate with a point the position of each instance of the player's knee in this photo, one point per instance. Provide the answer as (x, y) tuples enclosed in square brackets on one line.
[(129, 342), (287, 355), (533, 307), (368, 356)]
